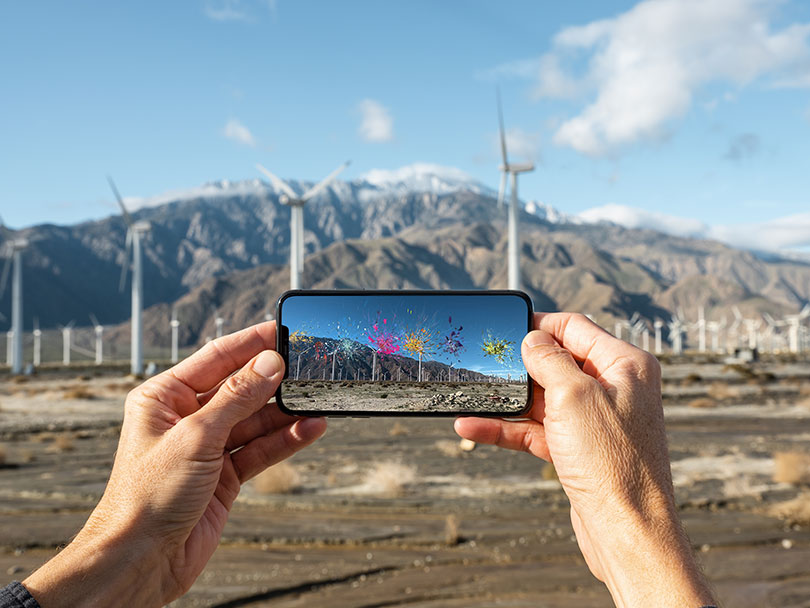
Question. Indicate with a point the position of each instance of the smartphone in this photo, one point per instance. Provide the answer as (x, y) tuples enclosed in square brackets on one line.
[(389, 353)]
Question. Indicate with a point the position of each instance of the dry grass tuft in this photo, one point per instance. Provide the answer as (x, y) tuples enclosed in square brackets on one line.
[(692, 378), (449, 448), (390, 478), (795, 511), (791, 467), (804, 389), (62, 443), (397, 430), (78, 392), (720, 391), (451, 536), (281, 478), (702, 403), (2, 455), (26, 456), (549, 473)]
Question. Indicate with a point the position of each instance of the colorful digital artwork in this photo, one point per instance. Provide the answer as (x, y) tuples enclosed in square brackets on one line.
[(422, 342)]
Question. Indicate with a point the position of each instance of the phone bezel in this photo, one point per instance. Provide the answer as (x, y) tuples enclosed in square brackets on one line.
[(282, 348)]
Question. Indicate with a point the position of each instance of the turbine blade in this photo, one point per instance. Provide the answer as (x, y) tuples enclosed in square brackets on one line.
[(324, 182), (124, 212), (4, 279), (4, 229), (502, 131), (94, 320), (277, 182), (502, 189), (125, 266)]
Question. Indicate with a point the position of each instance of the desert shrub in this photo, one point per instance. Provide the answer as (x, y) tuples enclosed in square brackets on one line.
[(451, 536), (78, 392), (281, 478), (720, 390), (25, 456), (63, 443), (791, 467), (397, 430), (449, 448), (2, 455), (795, 511), (383, 395), (702, 402), (390, 478), (549, 473), (692, 378), (742, 370)]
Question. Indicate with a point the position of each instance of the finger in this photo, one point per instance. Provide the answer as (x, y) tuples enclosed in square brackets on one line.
[(263, 422), (551, 365), (270, 449), (521, 435), (208, 366), (585, 340), (241, 395)]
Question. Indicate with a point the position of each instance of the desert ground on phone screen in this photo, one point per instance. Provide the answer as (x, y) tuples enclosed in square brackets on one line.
[(396, 512)]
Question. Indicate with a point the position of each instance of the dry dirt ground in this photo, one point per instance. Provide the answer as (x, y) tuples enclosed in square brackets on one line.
[(391, 512)]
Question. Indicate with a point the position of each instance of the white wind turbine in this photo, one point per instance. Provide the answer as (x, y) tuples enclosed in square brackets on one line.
[(37, 343), (794, 323), (511, 169), (676, 329), (175, 325), (296, 204), (66, 335), (99, 331), (14, 248), (135, 232)]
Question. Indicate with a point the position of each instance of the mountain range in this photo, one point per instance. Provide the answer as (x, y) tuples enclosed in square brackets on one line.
[(224, 246)]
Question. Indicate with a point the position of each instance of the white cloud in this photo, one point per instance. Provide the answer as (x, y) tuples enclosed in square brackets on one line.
[(376, 124), (237, 10), (238, 132), (644, 67), (779, 234)]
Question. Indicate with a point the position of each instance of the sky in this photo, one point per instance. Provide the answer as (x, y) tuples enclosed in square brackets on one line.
[(682, 112), (450, 329)]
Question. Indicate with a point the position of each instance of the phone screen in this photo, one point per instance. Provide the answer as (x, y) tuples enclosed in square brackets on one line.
[(404, 352)]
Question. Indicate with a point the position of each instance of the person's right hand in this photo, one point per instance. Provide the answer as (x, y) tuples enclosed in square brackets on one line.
[(597, 415)]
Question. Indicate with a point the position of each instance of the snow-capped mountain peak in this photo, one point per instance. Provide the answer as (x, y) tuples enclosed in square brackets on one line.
[(421, 177)]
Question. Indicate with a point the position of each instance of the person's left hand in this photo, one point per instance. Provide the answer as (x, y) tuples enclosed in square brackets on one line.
[(191, 436)]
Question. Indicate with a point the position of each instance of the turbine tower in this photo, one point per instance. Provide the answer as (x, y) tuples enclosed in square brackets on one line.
[(135, 231), (296, 204), (175, 325), (512, 170), (14, 249), (99, 332)]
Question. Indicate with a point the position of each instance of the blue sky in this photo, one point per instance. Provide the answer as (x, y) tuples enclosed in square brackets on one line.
[(475, 320), (686, 108)]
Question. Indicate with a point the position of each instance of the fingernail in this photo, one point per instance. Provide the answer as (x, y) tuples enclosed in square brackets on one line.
[(537, 338), (267, 364), (308, 427)]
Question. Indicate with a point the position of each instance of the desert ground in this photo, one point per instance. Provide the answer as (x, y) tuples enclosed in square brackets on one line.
[(393, 512)]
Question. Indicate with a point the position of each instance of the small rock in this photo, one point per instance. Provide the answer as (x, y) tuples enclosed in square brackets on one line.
[(15, 570), (787, 543)]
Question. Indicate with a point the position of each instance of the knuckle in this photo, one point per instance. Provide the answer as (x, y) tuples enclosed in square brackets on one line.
[(242, 388), (574, 390)]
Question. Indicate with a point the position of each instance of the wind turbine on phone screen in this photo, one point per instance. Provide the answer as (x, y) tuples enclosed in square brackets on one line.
[(512, 170), (296, 204)]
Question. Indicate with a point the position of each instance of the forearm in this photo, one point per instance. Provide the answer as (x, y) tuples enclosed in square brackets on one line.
[(99, 569), (650, 562)]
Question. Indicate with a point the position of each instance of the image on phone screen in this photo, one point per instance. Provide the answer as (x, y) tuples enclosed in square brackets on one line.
[(404, 352)]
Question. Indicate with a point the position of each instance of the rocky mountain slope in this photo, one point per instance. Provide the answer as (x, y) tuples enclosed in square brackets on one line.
[(226, 245)]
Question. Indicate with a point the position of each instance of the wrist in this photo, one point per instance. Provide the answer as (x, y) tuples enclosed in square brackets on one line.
[(648, 560), (100, 567)]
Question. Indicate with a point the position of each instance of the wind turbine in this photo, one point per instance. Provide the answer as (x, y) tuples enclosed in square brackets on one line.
[(219, 323), (37, 343), (296, 204), (14, 249), (99, 331), (676, 328), (66, 334), (175, 325), (794, 323), (135, 231), (657, 325), (512, 170)]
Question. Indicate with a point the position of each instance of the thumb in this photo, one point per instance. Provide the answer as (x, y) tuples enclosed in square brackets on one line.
[(547, 362), (243, 393)]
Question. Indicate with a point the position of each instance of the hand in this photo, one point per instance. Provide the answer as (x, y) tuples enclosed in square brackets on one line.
[(597, 415), (176, 475)]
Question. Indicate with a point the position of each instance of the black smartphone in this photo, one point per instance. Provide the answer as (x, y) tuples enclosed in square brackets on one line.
[(388, 353)]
